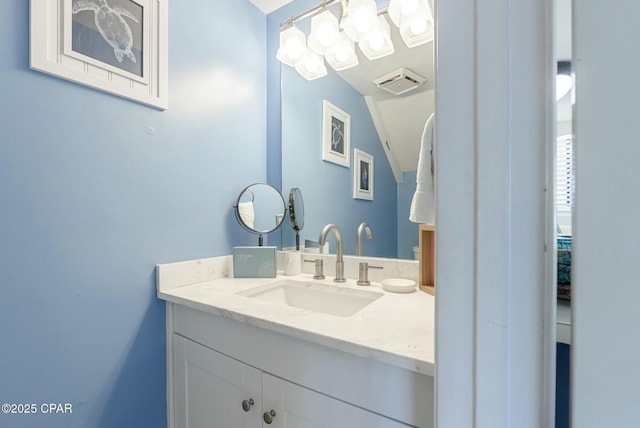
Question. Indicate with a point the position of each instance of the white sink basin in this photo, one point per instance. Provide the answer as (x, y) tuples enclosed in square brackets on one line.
[(327, 299)]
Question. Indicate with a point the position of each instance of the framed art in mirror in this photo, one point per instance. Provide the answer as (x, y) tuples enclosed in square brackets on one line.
[(117, 46), (336, 134), (362, 175)]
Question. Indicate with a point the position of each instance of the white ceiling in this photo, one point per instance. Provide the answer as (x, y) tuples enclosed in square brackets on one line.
[(268, 6)]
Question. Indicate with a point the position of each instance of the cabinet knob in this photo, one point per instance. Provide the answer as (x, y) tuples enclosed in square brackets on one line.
[(268, 416), (246, 404)]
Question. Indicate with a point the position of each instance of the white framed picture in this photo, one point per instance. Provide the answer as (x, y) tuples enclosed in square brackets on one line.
[(117, 46), (363, 173), (336, 134)]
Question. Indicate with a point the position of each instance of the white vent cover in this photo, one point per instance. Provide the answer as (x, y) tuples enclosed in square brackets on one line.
[(399, 81)]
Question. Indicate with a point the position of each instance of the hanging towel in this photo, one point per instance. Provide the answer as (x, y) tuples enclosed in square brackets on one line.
[(423, 203), (245, 210)]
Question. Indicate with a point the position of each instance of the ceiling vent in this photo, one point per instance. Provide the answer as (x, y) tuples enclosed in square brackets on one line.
[(399, 81)]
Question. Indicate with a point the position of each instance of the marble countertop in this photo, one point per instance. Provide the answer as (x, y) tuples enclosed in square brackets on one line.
[(396, 329)]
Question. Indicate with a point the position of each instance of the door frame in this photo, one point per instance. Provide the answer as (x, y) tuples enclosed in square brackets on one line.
[(495, 246)]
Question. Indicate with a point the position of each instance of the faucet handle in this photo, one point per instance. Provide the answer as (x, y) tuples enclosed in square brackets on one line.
[(319, 274), (363, 273)]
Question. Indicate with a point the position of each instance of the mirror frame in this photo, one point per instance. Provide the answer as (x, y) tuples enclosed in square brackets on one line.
[(295, 195), (245, 226)]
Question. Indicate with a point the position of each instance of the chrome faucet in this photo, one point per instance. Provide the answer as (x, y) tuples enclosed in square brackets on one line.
[(339, 261), (362, 227)]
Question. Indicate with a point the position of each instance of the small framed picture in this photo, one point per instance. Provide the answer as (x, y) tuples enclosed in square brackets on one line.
[(336, 134), (362, 175)]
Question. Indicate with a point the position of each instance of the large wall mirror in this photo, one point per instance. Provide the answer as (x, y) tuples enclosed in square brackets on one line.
[(386, 126), (564, 98)]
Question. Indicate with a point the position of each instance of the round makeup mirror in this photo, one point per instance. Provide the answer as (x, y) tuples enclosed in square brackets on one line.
[(260, 209), (296, 212)]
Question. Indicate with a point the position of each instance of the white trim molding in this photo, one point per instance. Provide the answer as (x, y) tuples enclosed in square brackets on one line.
[(494, 329), (604, 272)]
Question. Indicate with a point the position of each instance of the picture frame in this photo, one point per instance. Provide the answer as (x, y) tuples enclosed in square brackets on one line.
[(68, 40), (363, 174), (336, 134)]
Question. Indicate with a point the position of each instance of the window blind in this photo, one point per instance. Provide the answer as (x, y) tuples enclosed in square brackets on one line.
[(565, 182)]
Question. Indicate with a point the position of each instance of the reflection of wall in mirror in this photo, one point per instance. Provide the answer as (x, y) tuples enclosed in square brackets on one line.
[(327, 187)]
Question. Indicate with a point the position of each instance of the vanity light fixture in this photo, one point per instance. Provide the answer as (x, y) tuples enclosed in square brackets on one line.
[(343, 53), (360, 19), (564, 79), (418, 34), (378, 43), (414, 19), (292, 45), (311, 66), (324, 32), (359, 22)]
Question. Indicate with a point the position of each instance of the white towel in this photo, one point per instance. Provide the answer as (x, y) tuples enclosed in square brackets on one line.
[(245, 210), (423, 203)]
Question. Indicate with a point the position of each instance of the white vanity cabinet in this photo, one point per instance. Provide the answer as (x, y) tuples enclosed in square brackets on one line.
[(215, 364), (213, 390)]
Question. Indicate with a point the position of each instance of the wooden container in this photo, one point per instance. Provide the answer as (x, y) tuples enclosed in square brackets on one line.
[(426, 243)]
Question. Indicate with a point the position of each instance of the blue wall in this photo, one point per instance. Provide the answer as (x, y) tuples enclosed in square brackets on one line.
[(407, 230), (327, 187), (96, 190)]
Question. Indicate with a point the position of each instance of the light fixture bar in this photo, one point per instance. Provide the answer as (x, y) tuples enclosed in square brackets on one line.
[(316, 10), (309, 13)]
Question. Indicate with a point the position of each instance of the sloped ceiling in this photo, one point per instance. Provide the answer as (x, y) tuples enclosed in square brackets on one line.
[(400, 119)]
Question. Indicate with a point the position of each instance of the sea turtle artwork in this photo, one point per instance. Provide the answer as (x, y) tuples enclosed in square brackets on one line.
[(111, 24)]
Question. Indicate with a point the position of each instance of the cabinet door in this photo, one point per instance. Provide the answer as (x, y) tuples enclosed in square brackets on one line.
[(210, 389), (298, 407)]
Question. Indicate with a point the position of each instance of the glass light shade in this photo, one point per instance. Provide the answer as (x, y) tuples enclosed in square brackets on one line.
[(324, 32), (414, 18), (420, 32), (360, 19), (400, 8), (292, 46), (343, 53), (564, 83), (311, 65), (427, 8), (378, 44), (402, 12)]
